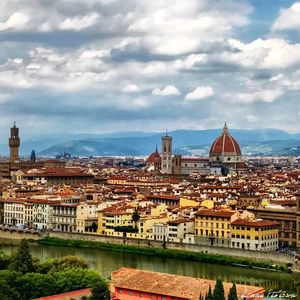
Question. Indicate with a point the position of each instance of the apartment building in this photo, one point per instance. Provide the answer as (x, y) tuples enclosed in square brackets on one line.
[(255, 234), (177, 229), (212, 227)]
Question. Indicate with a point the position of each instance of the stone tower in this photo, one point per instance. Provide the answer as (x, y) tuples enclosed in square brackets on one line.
[(14, 143), (33, 156), (166, 157)]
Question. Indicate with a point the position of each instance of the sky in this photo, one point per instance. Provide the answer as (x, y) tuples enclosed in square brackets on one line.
[(98, 66)]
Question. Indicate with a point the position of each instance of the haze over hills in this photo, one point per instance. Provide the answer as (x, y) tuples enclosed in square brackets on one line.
[(187, 142)]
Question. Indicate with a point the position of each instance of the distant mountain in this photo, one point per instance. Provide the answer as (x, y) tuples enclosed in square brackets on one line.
[(187, 142), (46, 141)]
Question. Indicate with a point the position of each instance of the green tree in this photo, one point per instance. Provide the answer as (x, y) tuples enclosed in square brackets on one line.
[(8, 283), (135, 217), (218, 293), (21, 261), (4, 260), (100, 291), (232, 295), (61, 264), (35, 285), (209, 295), (75, 279)]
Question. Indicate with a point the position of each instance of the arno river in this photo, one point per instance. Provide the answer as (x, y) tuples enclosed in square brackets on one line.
[(107, 261)]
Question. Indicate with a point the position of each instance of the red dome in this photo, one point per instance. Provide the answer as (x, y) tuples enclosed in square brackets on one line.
[(225, 144), (154, 157)]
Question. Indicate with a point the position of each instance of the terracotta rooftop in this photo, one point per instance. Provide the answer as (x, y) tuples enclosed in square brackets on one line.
[(78, 294), (254, 223), (182, 287), (215, 213)]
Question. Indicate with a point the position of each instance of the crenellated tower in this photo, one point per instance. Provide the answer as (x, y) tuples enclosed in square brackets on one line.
[(14, 143)]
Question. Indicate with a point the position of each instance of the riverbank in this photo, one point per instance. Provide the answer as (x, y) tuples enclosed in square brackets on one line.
[(169, 253)]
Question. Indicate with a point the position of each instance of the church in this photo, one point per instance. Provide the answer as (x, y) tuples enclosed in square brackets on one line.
[(225, 157)]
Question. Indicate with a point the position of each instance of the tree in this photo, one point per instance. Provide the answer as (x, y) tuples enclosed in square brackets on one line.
[(8, 284), (209, 295), (61, 264), (21, 261), (232, 295), (135, 217), (218, 293), (4, 260), (100, 291), (75, 279), (35, 285)]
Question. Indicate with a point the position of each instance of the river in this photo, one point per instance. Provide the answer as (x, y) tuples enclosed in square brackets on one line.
[(107, 261)]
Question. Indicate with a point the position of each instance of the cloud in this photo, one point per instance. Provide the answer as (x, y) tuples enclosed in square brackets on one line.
[(130, 88), (79, 22), (169, 90), (16, 21), (262, 53), (289, 19), (267, 96), (200, 93)]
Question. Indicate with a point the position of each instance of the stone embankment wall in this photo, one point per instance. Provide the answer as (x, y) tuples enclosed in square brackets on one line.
[(19, 234), (259, 255)]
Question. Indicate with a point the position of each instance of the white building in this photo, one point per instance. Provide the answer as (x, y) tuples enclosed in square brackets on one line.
[(177, 229)]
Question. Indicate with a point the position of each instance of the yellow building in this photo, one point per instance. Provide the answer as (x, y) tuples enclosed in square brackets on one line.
[(254, 234), (183, 202), (110, 218), (212, 227)]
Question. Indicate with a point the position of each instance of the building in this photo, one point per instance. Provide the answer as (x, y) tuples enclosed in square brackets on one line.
[(87, 217), (166, 157), (224, 157), (212, 227), (64, 217), (14, 143), (133, 284), (255, 234), (288, 219), (225, 154), (14, 212), (177, 230), (154, 160)]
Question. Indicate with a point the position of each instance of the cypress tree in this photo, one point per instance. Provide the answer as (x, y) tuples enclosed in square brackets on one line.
[(218, 293), (232, 295), (22, 259), (209, 295)]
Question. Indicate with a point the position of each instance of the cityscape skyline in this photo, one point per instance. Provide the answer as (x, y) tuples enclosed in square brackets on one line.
[(104, 66)]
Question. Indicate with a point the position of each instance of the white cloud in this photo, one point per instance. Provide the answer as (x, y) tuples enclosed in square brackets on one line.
[(268, 53), (16, 21), (252, 118), (183, 27), (200, 93), (169, 90), (79, 22), (289, 19), (191, 61), (130, 88), (268, 96)]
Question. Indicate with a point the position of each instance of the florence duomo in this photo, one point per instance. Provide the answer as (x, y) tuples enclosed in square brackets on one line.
[(225, 157)]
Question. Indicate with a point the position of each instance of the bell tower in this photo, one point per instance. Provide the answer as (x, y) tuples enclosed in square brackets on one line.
[(14, 143), (166, 161)]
